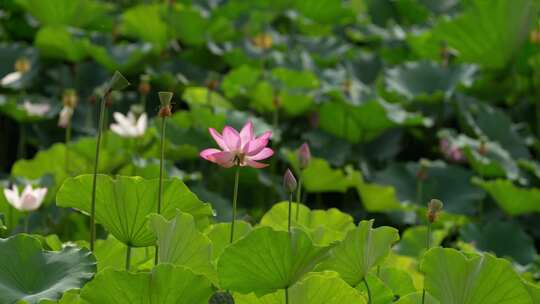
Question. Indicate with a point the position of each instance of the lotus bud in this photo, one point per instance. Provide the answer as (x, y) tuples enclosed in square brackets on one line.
[(23, 65), (304, 156), (165, 100), (434, 208), (289, 182), (422, 171), (144, 85)]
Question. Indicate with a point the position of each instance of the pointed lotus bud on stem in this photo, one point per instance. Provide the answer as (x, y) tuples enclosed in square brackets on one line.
[(289, 182), (434, 208), (165, 100), (23, 65), (304, 156), (118, 82), (144, 85)]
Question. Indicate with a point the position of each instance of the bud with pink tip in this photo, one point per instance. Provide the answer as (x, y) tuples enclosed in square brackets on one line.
[(289, 182), (304, 156)]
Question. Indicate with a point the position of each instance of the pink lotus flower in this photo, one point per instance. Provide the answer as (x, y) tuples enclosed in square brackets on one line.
[(29, 200), (242, 149)]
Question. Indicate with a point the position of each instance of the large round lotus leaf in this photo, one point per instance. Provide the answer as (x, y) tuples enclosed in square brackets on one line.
[(380, 292), (180, 243), (220, 235), (29, 273), (324, 226), (414, 240), (123, 204), (452, 278), (423, 79), (267, 260), (362, 249), (111, 253), (512, 199), (165, 284), (315, 288)]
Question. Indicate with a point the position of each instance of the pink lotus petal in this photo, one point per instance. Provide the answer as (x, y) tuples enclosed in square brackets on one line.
[(254, 164), (264, 154), (246, 134), (224, 159), (255, 146), (231, 138), (206, 153), (218, 138)]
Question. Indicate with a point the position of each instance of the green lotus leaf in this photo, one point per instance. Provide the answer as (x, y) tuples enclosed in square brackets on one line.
[(315, 288), (449, 183), (324, 226), (111, 253), (180, 243), (144, 22), (452, 278), (239, 81), (65, 12), (416, 298), (29, 273), (414, 241), (362, 249), (123, 204), (366, 121), (380, 293), (398, 280), (512, 199), (188, 25), (57, 42), (197, 96), (472, 32), (425, 78), (505, 239), (377, 198), (220, 235), (267, 260), (165, 284)]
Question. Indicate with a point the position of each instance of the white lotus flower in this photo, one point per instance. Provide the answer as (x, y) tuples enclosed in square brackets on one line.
[(29, 200), (65, 116), (10, 78), (129, 126), (36, 109)]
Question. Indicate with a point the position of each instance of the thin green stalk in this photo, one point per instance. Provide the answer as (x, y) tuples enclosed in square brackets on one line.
[(298, 197), (235, 197), (22, 142), (161, 173), (10, 217), (368, 291), (419, 191), (290, 213), (68, 140), (26, 223), (428, 246), (128, 257), (94, 180), (286, 295)]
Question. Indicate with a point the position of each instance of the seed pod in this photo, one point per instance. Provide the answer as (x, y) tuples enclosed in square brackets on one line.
[(304, 156), (289, 182), (118, 82), (165, 101), (434, 208), (221, 297)]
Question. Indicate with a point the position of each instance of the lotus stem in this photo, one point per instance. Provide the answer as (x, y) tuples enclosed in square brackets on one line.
[(161, 173), (68, 140), (26, 223), (94, 180), (290, 213), (128, 257), (235, 197), (368, 290), (287, 295), (428, 246), (22, 142), (298, 197)]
